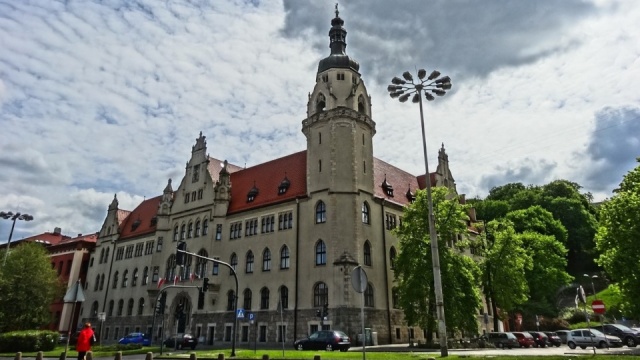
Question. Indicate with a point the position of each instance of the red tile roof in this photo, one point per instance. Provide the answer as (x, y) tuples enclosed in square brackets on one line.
[(400, 180), (142, 216), (47, 238), (122, 215), (267, 177)]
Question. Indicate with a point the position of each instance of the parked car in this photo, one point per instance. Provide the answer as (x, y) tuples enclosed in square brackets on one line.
[(628, 336), (541, 339), (562, 334), (136, 338), (324, 340), (502, 340), (62, 338), (184, 341), (554, 339), (591, 337), (524, 339)]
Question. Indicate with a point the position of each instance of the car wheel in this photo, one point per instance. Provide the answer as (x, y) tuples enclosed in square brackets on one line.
[(571, 345), (193, 347), (630, 342), (300, 347), (329, 347), (602, 344), (499, 345), (344, 349), (582, 347), (557, 345)]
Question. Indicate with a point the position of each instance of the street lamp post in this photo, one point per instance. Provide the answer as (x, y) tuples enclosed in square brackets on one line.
[(593, 288), (403, 89), (14, 217)]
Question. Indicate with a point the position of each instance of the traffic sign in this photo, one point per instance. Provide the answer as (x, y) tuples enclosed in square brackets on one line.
[(598, 306), (252, 316), (240, 313)]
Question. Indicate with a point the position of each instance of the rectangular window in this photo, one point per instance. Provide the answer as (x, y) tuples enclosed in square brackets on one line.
[(227, 333), (186, 198), (193, 196), (219, 232), (129, 253), (282, 333), (139, 249), (120, 253), (313, 328), (148, 248), (245, 334), (263, 333), (216, 268), (200, 192)]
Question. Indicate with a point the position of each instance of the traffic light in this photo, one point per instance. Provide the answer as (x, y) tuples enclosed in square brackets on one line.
[(201, 299), (180, 255), (325, 310), (160, 304), (205, 284)]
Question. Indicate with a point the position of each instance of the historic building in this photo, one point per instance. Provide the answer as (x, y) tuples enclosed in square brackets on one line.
[(293, 228)]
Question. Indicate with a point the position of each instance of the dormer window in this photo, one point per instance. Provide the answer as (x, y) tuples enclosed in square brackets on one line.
[(410, 196), (154, 221), (388, 189), (252, 193), (135, 224), (284, 185)]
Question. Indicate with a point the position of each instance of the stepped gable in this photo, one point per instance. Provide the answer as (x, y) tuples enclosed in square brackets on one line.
[(266, 178), (399, 179), (139, 220)]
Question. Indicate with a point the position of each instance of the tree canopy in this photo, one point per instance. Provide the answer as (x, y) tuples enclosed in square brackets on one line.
[(28, 286)]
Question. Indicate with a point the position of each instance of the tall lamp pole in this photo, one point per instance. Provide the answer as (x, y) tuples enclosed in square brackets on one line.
[(593, 288), (14, 217), (429, 86)]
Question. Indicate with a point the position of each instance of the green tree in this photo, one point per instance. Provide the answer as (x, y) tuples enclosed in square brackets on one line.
[(504, 266), (414, 268), (617, 240), (538, 220), (28, 286)]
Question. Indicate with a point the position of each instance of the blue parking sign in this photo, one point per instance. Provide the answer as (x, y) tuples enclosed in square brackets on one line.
[(240, 313), (252, 316)]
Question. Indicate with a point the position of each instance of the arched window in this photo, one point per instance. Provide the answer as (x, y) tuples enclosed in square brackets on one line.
[(145, 275), (125, 278), (130, 307), (97, 284), (101, 281), (321, 103), (368, 295), (134, 278), (264, 298), (361, 104), (247, 299), (120, 307), (101, 256), (230, 300), (367, 253), (395, 299), (110, 312), (249, 266), (266, 260), (140, 306), (106, 255), (365, 212), (321, 212), (190, 231), (205, 227), (170, 272), (284, 257), (234, 261), (115, 280), (197, 229), (94, 308), (321, 253), (201, 264), (175, 233), (392, 258), (320, 294), (183, 231), (284, 297)]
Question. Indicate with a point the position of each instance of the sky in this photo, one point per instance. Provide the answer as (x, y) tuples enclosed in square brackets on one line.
[(104, 97)]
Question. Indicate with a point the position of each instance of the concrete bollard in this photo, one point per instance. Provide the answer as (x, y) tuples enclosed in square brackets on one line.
[(149, 356), (89, 355), (39, 355), (220, 356), (63, 356), (118, 355), (192, 356), (265, 357), (18, 356)]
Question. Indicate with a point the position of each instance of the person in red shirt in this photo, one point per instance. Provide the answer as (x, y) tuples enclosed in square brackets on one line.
[(84, 341)]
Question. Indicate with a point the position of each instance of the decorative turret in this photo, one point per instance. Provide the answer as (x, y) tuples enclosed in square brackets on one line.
[(167, 200), (443, 173)]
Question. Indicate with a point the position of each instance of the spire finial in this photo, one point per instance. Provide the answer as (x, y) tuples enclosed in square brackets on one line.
[(337, 12)]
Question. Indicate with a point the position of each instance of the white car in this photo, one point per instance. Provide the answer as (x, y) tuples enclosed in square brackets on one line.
[(591, 337)]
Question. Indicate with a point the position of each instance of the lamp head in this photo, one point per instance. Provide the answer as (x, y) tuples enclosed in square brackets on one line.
[(422, 73), (407, 76), (397, 81), (434, 74)]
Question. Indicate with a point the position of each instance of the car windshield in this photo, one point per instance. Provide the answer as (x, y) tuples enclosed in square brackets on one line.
[(622, 327), (596, 332)]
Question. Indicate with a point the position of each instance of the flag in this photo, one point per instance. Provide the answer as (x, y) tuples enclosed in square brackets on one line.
[(192, 277), (175, 279), (160, 282)]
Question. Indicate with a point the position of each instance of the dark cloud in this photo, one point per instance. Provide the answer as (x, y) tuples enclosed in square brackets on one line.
[(470, 38), (613, 146), (528, 171)]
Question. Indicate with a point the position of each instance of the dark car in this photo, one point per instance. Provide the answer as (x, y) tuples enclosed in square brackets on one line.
[(541, 339), (502, 340), (524, 339), (136, 338), (562, 334), (554, 339), (184, 341), (324, 340), (62, 339), (628, 336)]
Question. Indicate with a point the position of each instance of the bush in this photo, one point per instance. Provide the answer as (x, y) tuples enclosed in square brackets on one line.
[(28, 341)]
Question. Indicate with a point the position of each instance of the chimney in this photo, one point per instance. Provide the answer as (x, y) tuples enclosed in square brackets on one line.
[(57, 231)]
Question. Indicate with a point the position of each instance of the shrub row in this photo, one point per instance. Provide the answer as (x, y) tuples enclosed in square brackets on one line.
[(28, 341)]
